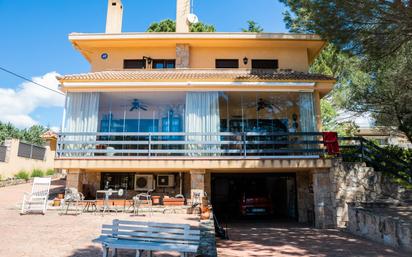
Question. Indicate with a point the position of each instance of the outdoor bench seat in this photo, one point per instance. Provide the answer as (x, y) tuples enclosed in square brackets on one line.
[(148, 236)]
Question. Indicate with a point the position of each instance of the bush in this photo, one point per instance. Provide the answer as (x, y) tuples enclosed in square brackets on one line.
[(50, 172), (22, 175), (37, 173)]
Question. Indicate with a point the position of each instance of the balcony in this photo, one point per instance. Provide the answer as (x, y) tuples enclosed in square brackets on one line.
[(182, 145)]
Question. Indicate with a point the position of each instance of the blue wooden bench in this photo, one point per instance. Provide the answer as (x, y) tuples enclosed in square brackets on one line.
[(148, 236)]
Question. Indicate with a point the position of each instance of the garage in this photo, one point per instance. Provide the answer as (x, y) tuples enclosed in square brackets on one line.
[(245, 195)]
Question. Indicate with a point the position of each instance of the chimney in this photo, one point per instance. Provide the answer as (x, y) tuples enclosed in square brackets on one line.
[(114, 16), (182, 11)]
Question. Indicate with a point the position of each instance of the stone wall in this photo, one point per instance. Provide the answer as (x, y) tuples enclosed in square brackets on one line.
[(355, 182), (384, 224), (207, 245)]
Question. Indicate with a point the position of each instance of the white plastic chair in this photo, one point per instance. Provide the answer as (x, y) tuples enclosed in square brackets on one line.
[(139, 199), (71, 197), (36, 201)]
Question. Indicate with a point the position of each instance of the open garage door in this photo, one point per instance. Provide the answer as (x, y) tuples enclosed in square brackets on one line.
[(269, 195)]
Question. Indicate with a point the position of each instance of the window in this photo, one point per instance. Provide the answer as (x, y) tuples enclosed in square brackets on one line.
[(164, 64), (134, 64), (265, 64), (227, 63), (117, 181)]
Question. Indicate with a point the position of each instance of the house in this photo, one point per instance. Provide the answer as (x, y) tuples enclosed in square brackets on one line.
[(385, 136), (229, 115)]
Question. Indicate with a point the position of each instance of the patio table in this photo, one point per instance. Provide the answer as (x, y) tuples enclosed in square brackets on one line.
[(89, 204), (107, 194)]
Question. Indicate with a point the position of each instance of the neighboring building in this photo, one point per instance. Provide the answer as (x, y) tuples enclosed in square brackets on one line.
[(385, 136), (16, 156), (229, 114)]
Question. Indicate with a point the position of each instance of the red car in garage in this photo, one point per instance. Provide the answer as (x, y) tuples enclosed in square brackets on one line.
[(255, 204)]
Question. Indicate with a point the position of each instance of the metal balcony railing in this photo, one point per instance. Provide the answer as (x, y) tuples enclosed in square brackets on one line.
[(190, 145)]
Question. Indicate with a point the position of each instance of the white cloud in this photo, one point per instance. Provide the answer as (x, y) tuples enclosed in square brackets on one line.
[(16, 105)]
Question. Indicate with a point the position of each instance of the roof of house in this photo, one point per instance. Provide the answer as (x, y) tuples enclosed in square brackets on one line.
[(195, 74)]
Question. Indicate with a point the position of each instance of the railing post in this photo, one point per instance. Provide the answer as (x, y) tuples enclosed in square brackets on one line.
[(244, 144), (150, 144)]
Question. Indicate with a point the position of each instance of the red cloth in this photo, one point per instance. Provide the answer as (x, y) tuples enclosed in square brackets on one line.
[(330, 140)]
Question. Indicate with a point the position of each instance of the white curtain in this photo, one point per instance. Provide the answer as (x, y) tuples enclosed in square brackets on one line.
[(81, 114), (307, 113), (307, 117), (202, 116)]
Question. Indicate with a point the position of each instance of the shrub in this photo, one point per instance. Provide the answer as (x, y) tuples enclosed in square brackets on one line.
[(22, 175), (37, 173), (50, 172)]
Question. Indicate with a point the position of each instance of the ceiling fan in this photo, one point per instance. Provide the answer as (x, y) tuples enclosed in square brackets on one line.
[(137, 105), (262, 104)]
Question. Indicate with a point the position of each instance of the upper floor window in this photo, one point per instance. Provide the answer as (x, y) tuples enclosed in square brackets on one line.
[(227, 63), (265, 64), (134, 64), (164, 64)]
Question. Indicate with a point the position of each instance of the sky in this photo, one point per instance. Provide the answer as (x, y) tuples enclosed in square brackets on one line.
[(33, 43)]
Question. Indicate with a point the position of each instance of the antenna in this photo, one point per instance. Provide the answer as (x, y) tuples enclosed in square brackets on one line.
[(192, 18)]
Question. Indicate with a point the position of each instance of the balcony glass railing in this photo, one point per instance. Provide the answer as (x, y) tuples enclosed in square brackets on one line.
[(190, 145)]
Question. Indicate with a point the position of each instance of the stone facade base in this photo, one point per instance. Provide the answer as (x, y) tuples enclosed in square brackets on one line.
[(382, 224)]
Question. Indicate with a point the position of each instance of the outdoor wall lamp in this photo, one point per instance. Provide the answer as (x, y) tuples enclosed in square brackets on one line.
[(245, 60)]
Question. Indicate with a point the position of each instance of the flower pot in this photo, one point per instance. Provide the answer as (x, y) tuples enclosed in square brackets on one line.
[(156, 200)]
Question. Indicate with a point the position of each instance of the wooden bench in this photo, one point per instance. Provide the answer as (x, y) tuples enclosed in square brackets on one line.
[(148, 236)]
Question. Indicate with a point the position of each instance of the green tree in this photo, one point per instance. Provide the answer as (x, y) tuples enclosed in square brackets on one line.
[(169, 25), (253, 27), (375, 39), (7, 130), (31, 135), (374, 27)]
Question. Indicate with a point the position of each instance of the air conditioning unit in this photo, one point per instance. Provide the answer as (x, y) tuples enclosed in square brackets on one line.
[(165, 180), (143, 182)]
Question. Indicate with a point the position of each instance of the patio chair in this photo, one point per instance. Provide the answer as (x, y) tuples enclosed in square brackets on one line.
[(139, 199), (36, 201), (71, 197)]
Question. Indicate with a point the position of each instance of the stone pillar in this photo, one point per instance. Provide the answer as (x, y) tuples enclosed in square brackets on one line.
[(322, 190), (208, 184), (90, 183), (197, 183), (304, 197), (74, 179), (182, 56)]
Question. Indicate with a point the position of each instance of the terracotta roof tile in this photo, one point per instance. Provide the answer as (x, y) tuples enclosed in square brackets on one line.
[(194, 74)]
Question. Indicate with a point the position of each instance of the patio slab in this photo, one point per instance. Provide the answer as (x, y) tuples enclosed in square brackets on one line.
[(54, 235), (269, 238)]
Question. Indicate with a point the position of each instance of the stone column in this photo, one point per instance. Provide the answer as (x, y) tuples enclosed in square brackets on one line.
[(322, 190), (304, 197), (74, 179), (197, 183), (182, 56)]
